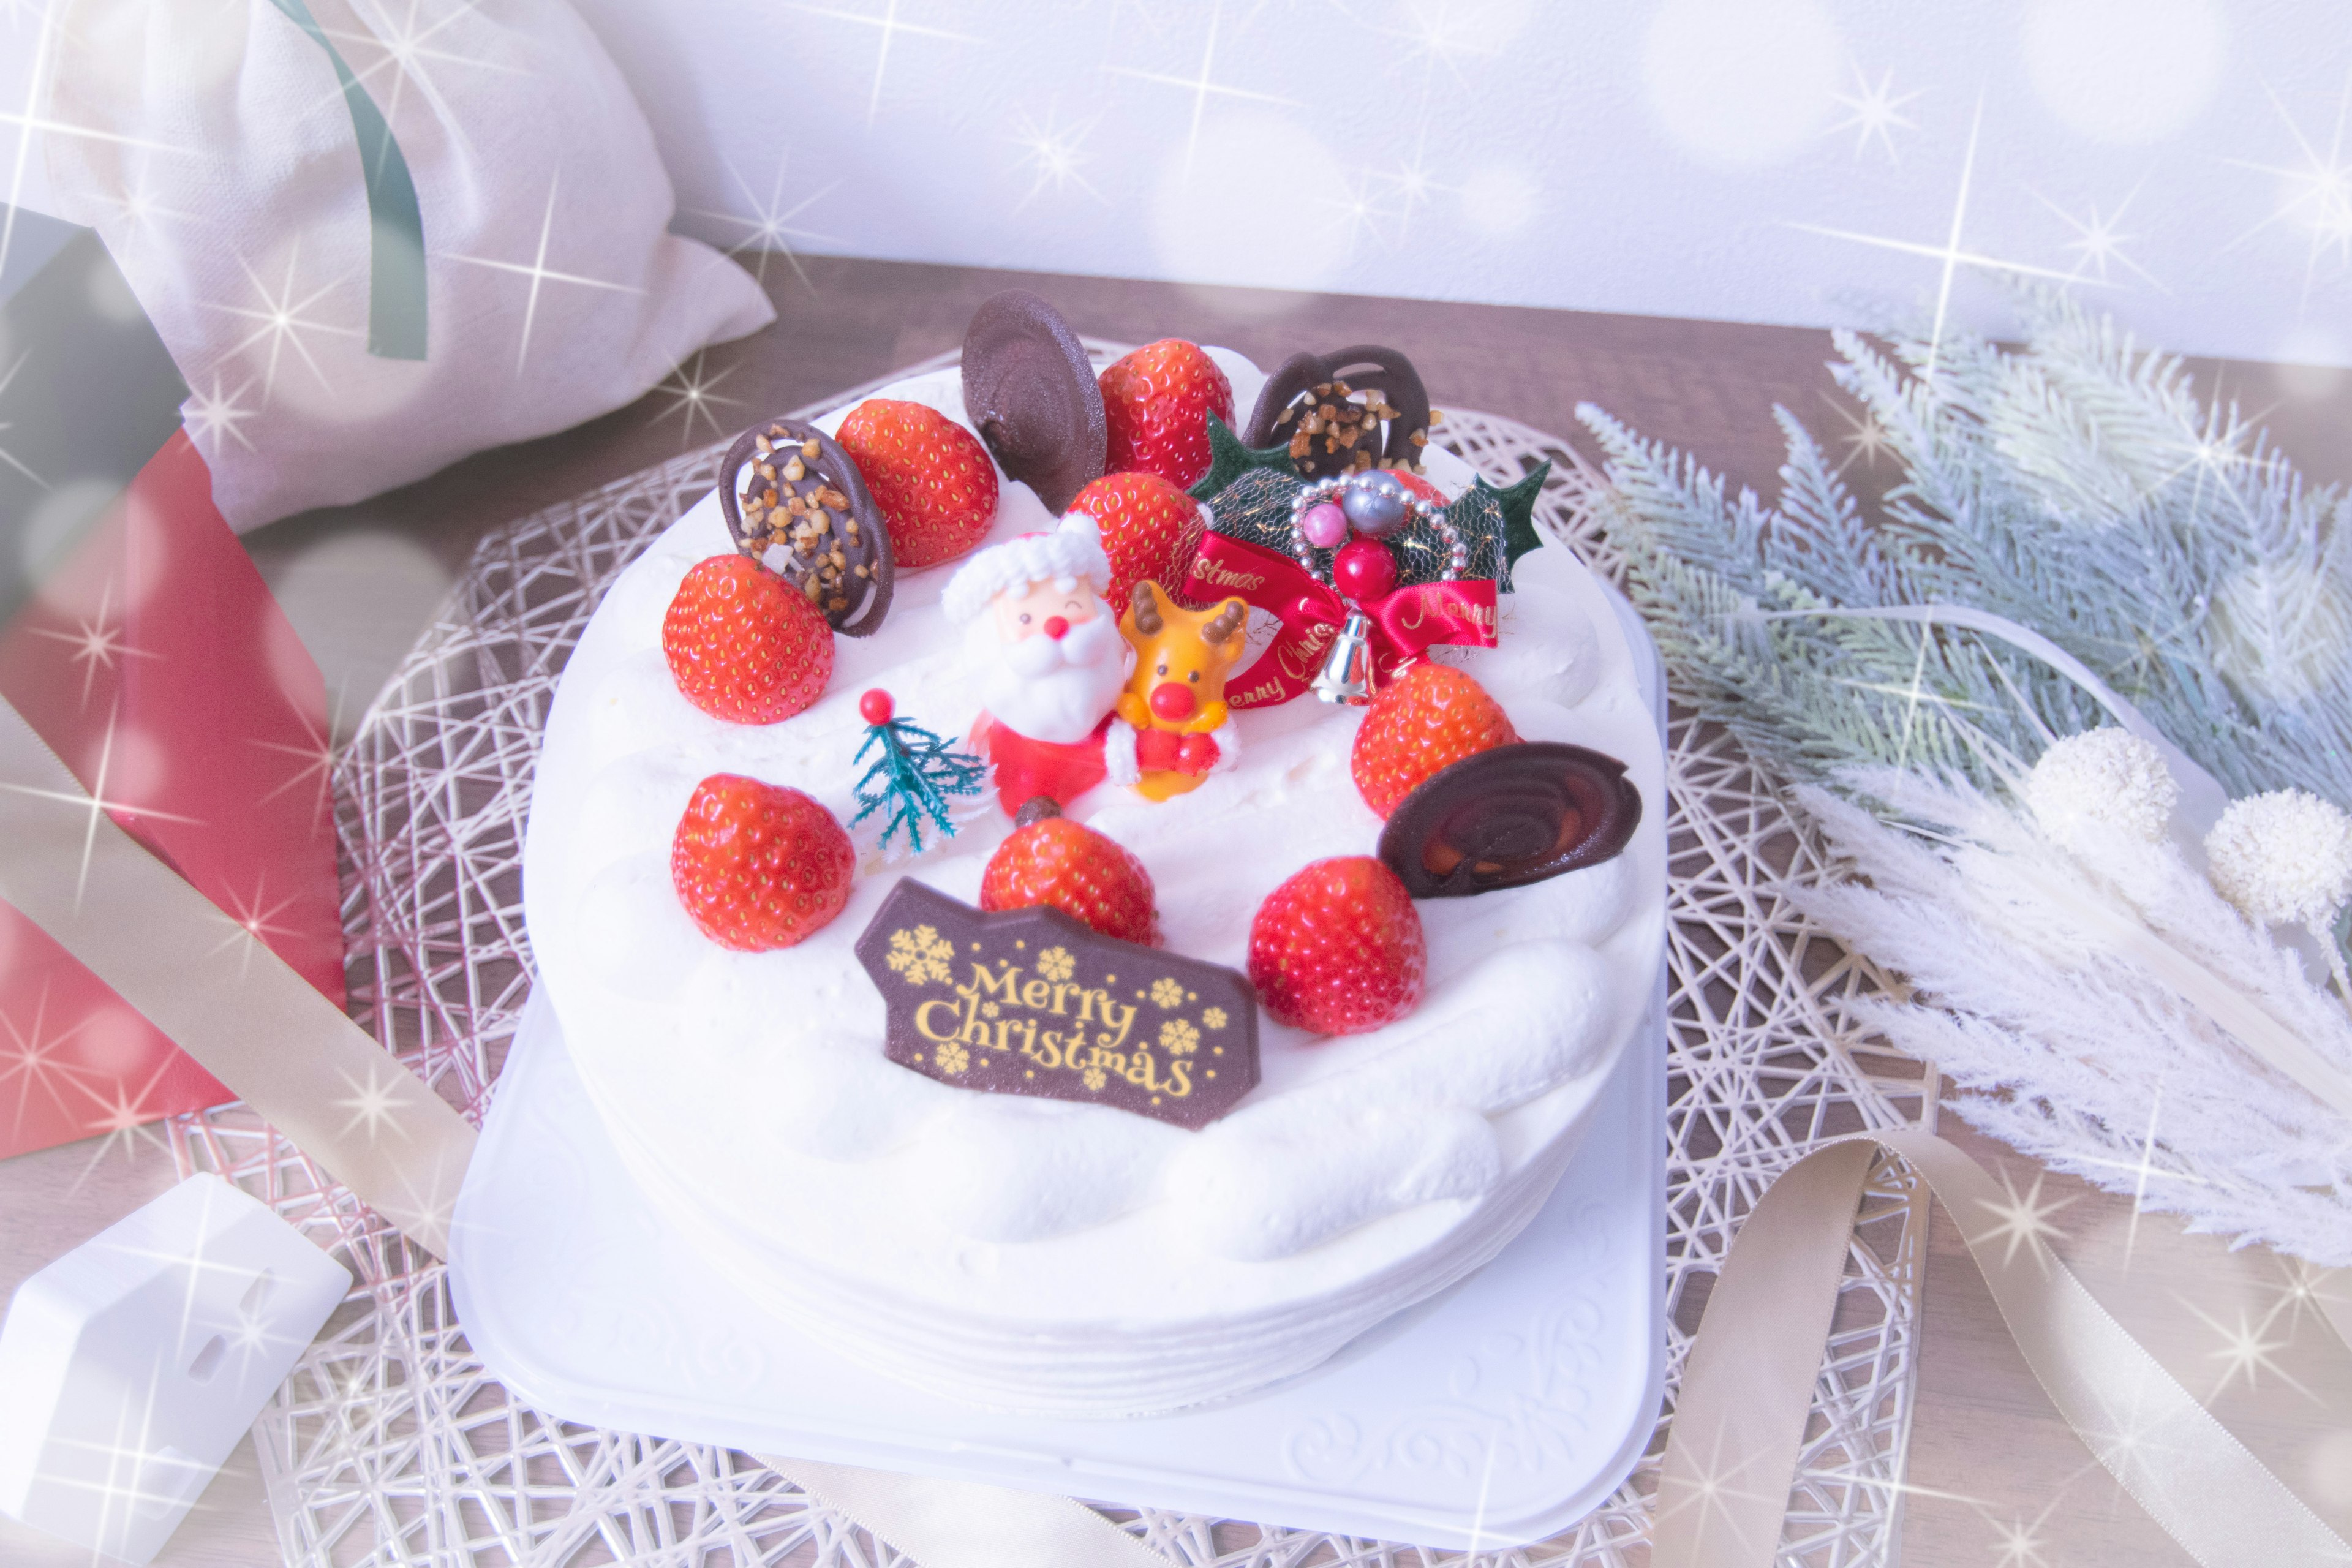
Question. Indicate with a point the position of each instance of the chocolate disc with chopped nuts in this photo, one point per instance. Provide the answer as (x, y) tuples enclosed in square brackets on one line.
[(1510, 815), (1343, 413), (1030, 391), (796, 504)]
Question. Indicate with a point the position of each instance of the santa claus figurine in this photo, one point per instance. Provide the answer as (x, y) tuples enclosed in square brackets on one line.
[(1059, 660)]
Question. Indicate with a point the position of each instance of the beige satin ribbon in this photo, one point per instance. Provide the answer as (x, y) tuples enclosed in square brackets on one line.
[(1747, 1387), (218, 992)]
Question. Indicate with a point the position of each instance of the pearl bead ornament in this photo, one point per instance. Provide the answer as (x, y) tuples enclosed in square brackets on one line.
[(1323, 496)]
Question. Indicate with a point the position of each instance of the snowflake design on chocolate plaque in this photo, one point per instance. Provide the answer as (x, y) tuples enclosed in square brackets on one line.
[(1167, 993), (922, 954), (390, 1444), (951, 1056), (1179, 1038), (1093, 1079)]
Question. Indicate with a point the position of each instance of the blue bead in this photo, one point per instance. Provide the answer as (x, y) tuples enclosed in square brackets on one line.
[(1374, 506)]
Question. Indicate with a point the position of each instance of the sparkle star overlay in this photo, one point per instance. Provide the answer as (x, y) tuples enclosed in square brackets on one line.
[(887, 26), (770, 231), (1874, 112), (2317, 192), (1202, 85), (283, 319), (540, 274), (1951, 253)]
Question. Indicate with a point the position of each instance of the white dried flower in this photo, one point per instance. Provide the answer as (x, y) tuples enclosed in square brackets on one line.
[(2110, 776), (2284, 856)]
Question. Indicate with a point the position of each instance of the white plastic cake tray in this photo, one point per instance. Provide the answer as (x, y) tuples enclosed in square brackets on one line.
[(1500, 1411)]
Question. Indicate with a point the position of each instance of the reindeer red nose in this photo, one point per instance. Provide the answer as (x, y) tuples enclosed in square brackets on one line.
[(1172, 699), (1055, 627)]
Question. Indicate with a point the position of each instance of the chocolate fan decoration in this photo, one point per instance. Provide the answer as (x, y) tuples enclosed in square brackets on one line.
[(1306, 403), (805, 513), (1510, 815), (1030, 391)]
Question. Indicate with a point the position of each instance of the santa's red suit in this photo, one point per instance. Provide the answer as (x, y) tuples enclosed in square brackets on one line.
[(1053, 685), (1027, 768)]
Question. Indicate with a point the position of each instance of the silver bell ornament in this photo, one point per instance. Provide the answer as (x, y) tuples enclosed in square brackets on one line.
[(1375, 504), (1347, 672)]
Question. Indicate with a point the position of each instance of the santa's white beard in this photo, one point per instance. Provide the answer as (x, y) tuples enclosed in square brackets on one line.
[(1059, 688)]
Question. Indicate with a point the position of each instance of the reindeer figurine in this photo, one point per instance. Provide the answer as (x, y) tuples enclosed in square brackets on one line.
[(1177, 728)]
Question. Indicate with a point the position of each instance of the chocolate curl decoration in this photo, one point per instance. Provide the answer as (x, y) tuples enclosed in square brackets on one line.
[(1030, 390), (1304, 385), (1510, 815), (819, 530), (1405, 622)]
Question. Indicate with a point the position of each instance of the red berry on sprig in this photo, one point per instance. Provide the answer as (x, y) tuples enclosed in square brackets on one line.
[(875, 707)]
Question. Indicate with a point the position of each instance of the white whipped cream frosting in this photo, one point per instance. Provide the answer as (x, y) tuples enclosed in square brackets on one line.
[(1092, 1261)]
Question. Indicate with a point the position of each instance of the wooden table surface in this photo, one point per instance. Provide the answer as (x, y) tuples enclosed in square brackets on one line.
[(1996, 1479)]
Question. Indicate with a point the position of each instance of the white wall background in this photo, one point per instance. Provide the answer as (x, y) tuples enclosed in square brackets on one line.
[(2187, 162)]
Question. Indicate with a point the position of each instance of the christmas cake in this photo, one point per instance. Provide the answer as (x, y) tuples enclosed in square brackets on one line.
[(1099, 958)]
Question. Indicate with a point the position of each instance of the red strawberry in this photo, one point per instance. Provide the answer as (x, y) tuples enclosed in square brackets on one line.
[(930, 477), (1431, 716), (1158, 401), (1338, 948), (743, 646), (1150, 528), (759, 866), (1052, 860)]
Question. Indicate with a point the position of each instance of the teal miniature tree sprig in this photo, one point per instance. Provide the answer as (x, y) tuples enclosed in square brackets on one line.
[(915, 782)]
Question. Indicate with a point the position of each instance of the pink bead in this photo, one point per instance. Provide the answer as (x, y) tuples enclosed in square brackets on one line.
[(1325, 525)]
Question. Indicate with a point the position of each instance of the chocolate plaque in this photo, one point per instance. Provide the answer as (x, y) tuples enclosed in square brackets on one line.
[(804, 512), (1033, 1001)]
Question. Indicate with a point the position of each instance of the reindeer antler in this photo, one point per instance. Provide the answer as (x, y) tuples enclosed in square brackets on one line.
[(1228, 623), (1147, 610)]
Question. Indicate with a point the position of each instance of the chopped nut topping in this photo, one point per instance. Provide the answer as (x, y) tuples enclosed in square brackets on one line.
[(1289, 411), (1419, 437), (809, 449), (1301, 444), (767, 470), (760, 444), (794, 470), (834, 499), (1322, 389)]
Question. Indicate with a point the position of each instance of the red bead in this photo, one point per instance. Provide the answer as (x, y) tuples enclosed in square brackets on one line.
[(1363, 569), (875, 707)]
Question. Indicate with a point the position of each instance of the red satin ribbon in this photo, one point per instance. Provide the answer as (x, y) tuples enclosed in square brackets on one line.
[(1404, 623)]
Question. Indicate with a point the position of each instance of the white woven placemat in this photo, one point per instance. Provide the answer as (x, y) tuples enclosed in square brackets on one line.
[(390, 1445)]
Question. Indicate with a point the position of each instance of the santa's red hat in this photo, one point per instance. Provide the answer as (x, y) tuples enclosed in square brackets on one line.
[(1072, 550)]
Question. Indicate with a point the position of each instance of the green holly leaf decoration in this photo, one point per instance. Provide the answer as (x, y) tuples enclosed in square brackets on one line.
[(1518, 504), (1229, 460)]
